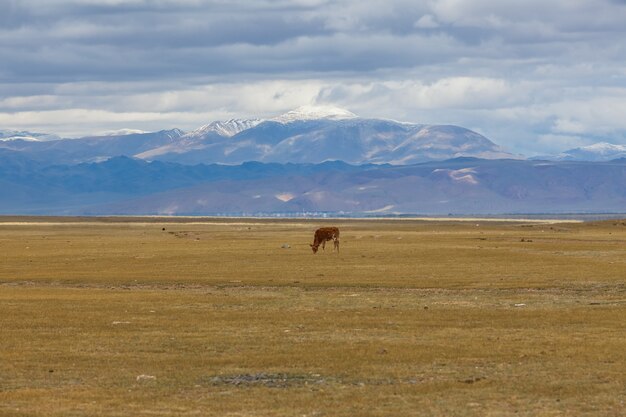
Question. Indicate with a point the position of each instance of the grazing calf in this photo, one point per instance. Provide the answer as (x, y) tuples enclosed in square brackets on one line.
[(323, 235)]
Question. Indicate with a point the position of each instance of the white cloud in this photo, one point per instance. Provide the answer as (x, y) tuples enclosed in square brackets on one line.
[(569, 126), (465, 92), (553, 143)]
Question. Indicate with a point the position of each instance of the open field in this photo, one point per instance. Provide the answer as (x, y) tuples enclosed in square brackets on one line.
[(185, 317)]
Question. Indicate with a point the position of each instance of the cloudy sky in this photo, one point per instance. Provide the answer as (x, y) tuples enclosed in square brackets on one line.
[(535, 76)]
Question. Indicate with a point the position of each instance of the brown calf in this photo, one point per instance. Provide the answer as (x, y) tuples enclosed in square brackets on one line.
[(323, 235)]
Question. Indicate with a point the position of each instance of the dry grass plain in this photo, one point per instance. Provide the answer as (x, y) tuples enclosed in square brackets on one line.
[(207, 317)]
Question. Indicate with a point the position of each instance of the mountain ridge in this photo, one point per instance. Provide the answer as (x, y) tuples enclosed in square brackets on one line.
[(230, 142), (124, 185), (310, 134), (596, 152)]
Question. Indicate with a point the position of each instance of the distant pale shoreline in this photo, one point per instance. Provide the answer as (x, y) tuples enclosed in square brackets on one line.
[(250, 220)]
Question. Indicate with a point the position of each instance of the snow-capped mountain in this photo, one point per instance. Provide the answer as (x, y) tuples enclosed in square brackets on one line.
[(10, 135), (315, 113), (91, 149), (316, 134), (602, 151), (232, 127), (122, 132), (309, 134), (226, 129), (438, 142), (200, 138)]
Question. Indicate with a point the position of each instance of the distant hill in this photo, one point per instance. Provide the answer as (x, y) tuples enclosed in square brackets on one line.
[(91, 148), (602, 151), (460, 186), (7, 135)]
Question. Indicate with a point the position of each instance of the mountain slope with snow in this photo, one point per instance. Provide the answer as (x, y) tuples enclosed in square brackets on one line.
[(597, 152), (226, 129), (91, 149), (7, 135), (315, 113), (317, 134), (310, 134)]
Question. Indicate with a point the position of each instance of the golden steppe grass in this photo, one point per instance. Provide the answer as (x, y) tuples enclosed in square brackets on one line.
[(183, 317)]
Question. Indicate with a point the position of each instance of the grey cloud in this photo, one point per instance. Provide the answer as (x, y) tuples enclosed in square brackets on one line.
[(90, 54), (12, 14), (104, 40)]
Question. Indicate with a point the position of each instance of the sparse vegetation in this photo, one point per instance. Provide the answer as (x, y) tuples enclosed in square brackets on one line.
[(119, 317)]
